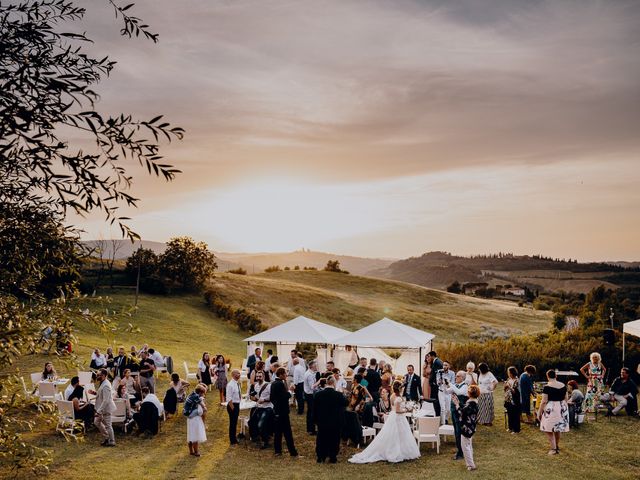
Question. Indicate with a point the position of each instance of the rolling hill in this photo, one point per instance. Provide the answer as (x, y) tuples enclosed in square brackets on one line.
[(352, 302)]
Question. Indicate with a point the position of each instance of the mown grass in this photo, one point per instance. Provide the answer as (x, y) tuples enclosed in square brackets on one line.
[(352, 302), (182, 327)]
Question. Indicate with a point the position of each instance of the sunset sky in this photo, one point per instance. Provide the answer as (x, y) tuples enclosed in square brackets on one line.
[(380, 128)]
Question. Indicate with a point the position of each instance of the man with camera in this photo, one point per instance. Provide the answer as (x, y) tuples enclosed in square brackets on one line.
[(445, 378)]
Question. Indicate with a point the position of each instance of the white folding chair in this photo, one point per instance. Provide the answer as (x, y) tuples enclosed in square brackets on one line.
[(27, 393), (47, 392), (428, 409), (189, 375), (119, 417), (85, 378), (427, 431), (35, 379), (67, 418), (446, 431), (368, 433)]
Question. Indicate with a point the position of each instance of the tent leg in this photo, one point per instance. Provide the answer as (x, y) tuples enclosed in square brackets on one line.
[(623, 348)]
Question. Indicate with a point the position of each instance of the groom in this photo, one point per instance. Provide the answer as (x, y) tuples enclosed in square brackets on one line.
[(328, 415)]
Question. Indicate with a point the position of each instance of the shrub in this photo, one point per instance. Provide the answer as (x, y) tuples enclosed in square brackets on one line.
[(273, 268), (238, 271), (245, 320), (334, 266), (455, 287)]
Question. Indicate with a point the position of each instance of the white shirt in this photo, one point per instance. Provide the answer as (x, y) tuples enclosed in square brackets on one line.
[(100, 360), (298, 373), (202, 366), (458, 389), (68, 391), (151, 397), (341, 384), (485, 382), (233, 391), (309, 382), (267, 362), (441, 376), (264, 398), (157, 359), (471, 378)]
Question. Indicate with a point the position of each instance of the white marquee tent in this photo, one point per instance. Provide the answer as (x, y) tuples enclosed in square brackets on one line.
[(387, 333), (299, 330), (631, 328)]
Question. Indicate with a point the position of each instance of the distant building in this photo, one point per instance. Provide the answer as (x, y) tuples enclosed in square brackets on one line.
[(515, 291)]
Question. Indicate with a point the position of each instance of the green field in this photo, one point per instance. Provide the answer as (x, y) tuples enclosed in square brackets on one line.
[(183, 328), (352, 302)]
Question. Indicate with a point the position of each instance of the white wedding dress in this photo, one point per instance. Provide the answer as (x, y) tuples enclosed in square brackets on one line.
[(395, 442)]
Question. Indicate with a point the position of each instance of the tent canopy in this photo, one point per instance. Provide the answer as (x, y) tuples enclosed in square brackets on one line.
[(632, 328), (300, 329), (387, 333)]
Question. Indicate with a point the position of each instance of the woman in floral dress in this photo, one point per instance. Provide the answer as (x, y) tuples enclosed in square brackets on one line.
[(554, 411), (594, 371)]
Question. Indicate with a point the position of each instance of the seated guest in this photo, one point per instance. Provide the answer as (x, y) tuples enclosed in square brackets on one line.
[(144, 349), (133, 351), (576, 398), (49, 372), (149, 411), (121, 392), (82, 410), (70, 388), (341, 383), (109, 357), (180, 386), (98, 360), (157, 358), (362, 371), (132, 385), (384, 405), (625, 392)]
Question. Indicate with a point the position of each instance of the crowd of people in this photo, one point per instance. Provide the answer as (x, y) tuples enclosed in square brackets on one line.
[(336, 406)]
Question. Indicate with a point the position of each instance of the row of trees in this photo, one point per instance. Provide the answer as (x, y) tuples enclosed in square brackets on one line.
[(186, 265)]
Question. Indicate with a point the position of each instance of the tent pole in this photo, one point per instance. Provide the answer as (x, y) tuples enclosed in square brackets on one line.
[(623, 348)]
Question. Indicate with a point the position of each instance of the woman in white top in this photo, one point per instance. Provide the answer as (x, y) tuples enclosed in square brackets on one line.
[(471, 376), (131, 383), (487, 383), (196, 432), (395, 442)]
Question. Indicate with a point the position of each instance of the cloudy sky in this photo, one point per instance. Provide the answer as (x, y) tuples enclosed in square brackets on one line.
[(388, 128)]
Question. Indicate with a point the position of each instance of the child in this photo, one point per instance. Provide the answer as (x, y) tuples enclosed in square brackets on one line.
[(468, 419), (195, 410)]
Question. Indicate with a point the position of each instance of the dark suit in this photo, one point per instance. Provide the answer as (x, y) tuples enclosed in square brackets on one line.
[(375, 382), (251, 362), (412, 387), (282, 425), (436, 366), (328, 415)]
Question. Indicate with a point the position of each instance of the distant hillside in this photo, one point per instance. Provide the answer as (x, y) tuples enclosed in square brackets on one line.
[(440, 269), (252, 262), (352, 302)]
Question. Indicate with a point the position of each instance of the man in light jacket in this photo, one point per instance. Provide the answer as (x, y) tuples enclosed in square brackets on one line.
[(105, 407)]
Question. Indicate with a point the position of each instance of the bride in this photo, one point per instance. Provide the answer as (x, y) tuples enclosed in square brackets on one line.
[(395, 442)]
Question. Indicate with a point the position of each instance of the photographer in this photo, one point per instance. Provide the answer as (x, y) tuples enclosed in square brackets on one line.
[(445, 377)]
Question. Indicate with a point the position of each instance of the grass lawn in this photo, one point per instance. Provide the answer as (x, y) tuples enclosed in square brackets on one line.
[(183, 328)]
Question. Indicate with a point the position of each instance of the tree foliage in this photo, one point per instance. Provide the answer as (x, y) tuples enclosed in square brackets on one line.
[(187, 263), (143, 259)]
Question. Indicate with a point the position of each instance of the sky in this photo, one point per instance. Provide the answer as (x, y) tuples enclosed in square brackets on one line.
[(386, 128)]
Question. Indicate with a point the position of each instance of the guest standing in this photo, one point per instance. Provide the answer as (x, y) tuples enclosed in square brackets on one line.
[(468, 418), (472, 376), (554, 411), (487, 383), (234, 396), (386, 379), (374, 379), (196, 410), (220, 371), (204, 369), (458, 389), (254, 358), (594, 372), (298, 381), (328, 414), (526, 391), (512, 400), (412, 388), (311, 376), (426, 373), (280, 396), (436, 365), (445, 378), (104, 407), (147, 369)]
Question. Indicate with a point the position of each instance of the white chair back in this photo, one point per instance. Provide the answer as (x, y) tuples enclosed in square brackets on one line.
[(26, 392), (428, 409), (35, 378), (120, 414), (428, 425), (47, 390), (85, 378), (65, 410)]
